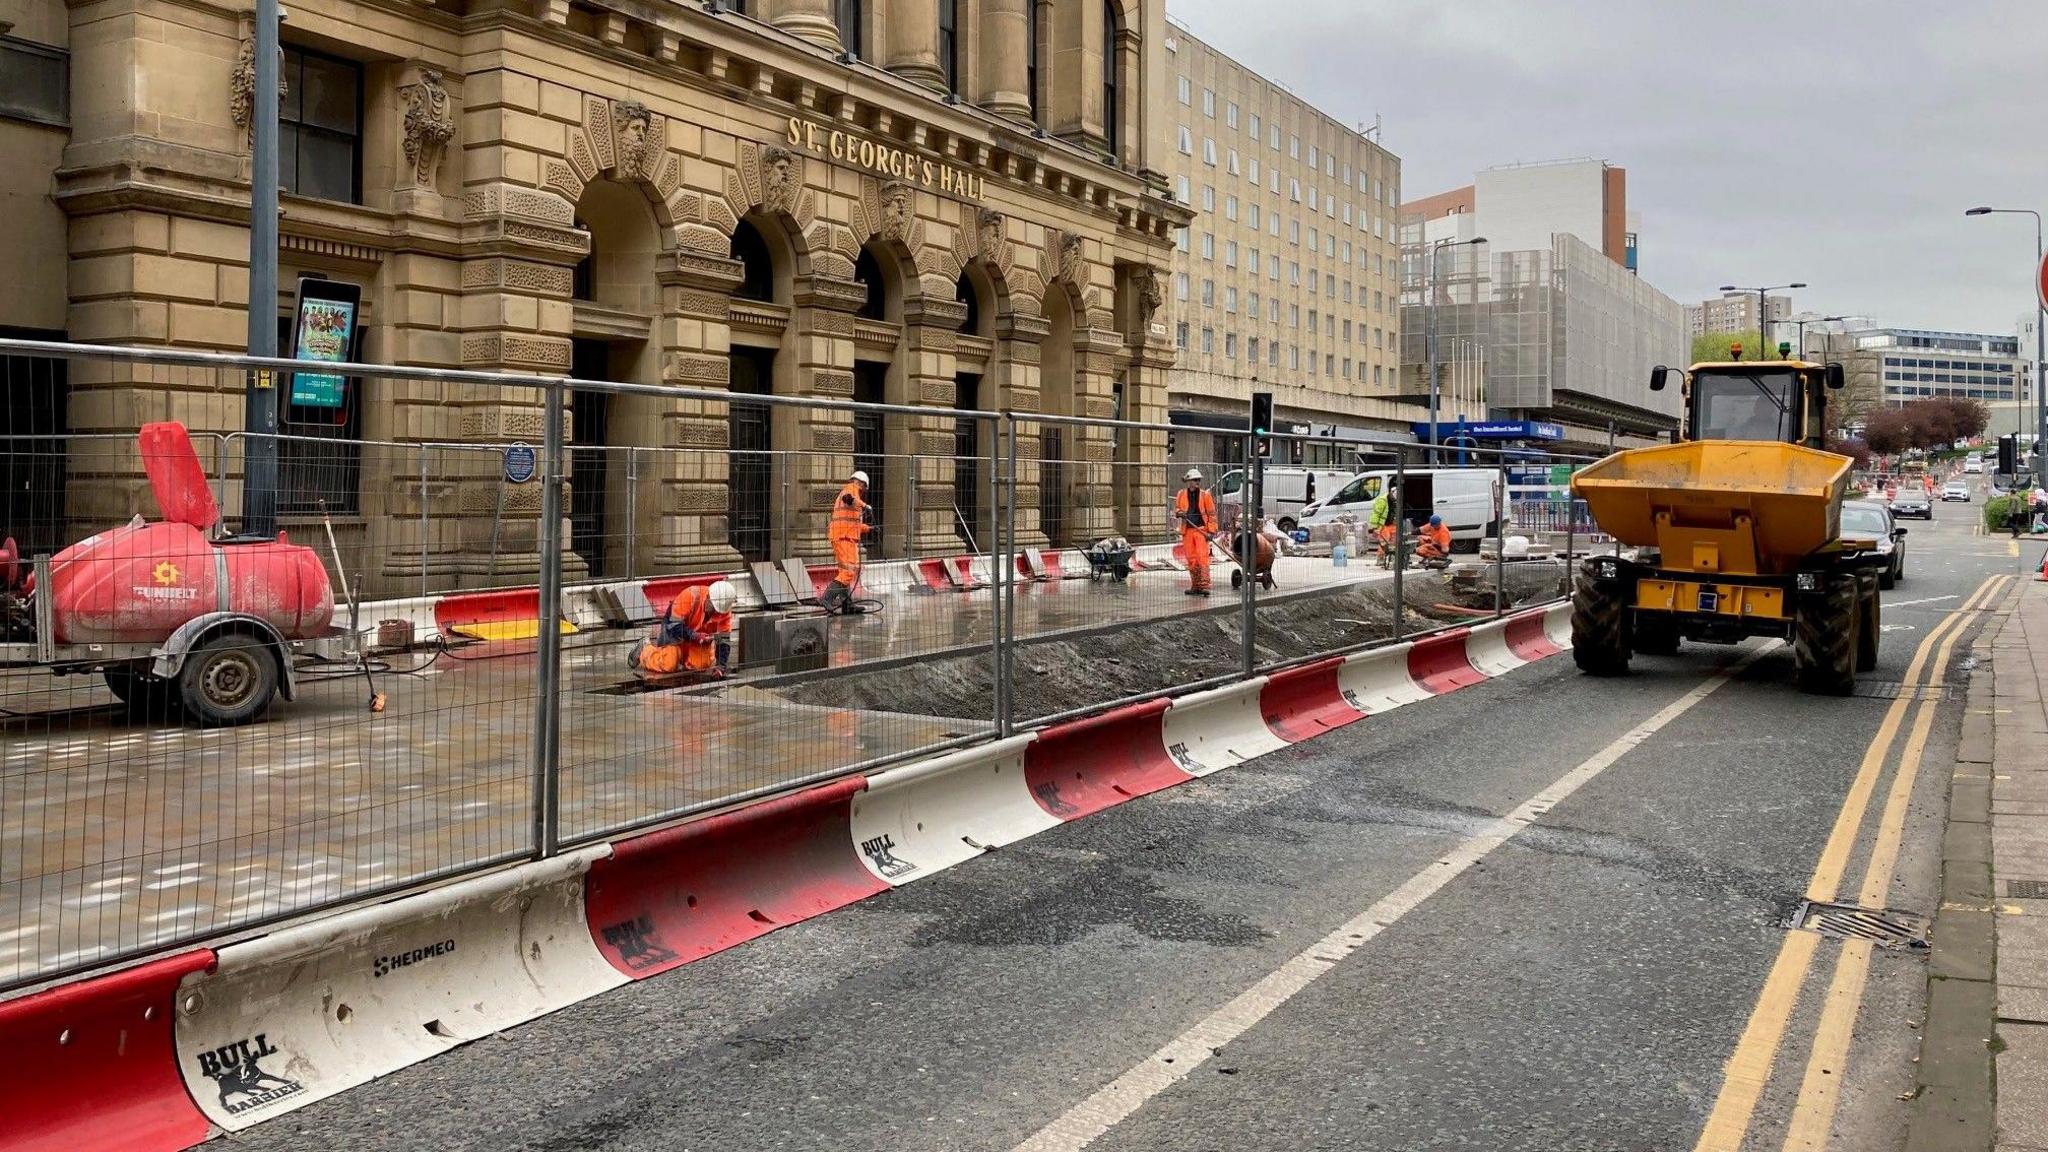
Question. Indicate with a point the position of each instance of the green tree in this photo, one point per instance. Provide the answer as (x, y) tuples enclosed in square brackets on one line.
[(1718, 346)]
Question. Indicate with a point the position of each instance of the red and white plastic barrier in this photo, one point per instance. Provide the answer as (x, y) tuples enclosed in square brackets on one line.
[(91, 1065), (157, 1056)]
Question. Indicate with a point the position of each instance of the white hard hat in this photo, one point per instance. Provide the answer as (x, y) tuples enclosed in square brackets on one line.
[(722, 596), (1192, 474), (860, 476)]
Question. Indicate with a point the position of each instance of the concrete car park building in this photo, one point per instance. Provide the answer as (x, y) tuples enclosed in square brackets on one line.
[(923, 202), (1289, 273)]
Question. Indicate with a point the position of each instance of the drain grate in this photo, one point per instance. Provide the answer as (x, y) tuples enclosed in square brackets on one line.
[(1893, 690), (2026, 889), (1885, 928)]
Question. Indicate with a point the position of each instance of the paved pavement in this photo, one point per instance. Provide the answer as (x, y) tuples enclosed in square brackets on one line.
[(2019, 854), (117, 836), (1547, 912)]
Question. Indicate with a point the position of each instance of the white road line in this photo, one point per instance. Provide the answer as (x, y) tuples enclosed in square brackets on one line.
[(1087, 1121), (1910, 603)]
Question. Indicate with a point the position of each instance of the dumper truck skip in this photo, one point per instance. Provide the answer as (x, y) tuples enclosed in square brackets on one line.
[(1736, 531)]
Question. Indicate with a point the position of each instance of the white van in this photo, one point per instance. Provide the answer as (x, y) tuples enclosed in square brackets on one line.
[(1287, 491), (1467, 499)]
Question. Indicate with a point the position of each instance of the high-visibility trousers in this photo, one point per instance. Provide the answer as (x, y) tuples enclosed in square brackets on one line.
[(846, 555), (1196, 547), (682, 656)]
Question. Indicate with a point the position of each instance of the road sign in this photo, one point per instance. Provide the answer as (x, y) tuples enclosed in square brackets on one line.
[(2041, 283), (520, 463)]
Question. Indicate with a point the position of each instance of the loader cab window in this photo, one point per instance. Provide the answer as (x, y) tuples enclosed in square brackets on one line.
[(1746, 406)]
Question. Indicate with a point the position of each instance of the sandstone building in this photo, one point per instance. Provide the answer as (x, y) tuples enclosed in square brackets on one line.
[(921, 202)]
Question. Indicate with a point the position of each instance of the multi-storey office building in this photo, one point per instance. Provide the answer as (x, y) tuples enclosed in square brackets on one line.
[(1289, 274)]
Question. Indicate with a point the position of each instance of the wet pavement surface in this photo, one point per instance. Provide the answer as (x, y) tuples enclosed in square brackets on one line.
[(118, 836)]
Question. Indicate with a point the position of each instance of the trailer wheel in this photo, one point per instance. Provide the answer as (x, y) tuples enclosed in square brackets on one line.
[(227, 680), (1824, 639), (1868, 626), (1654, 635), (1599, 629), (146, 697)]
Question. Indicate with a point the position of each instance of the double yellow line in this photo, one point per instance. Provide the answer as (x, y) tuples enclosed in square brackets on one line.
[(1749, 1068)]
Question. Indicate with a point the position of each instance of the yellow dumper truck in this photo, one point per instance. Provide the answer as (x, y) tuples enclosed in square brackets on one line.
[(1736, 531)]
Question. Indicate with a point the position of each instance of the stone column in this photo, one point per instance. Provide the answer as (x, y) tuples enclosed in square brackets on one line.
[(1005, 53), (930, 372), (1016, 387), (1092, 485), (819, 363), (913, 42), (681, 496), (1143, 468), (810, 19)]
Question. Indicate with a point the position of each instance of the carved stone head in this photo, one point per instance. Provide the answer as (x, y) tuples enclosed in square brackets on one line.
[(988, 226), (631, 119), (896, 209), (1151, 293), (778, 178)]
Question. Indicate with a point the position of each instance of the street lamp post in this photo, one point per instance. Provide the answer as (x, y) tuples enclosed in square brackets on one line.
[(1763, 308), (1428, 290), (1800, 325), (2040, 321)]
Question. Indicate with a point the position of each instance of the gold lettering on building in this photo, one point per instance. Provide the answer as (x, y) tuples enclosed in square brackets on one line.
[(886, 159)]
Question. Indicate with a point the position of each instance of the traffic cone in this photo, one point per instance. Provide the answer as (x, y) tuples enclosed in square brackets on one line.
[(2042, 575)]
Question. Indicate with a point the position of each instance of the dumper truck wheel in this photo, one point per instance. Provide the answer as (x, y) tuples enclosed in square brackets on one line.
[(1599, 628), (1868, 626), (1654, 635), (1824, 639), (146, 697), (227, 680)]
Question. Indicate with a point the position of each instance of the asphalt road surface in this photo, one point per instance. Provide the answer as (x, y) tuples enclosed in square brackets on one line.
[(1547, 912)]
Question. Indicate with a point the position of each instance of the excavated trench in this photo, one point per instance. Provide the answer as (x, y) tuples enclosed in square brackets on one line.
[(1076, 670)]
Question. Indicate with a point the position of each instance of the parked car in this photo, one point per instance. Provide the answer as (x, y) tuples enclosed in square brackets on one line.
[(1285, 493), (1871, 520), (1467, 499), (1955, 490), (1914, 504)]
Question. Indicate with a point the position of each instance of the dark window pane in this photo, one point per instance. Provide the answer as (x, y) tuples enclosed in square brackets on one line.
[(327, 167), (34, 83), (329, 98), (294, 85), (288, 157)]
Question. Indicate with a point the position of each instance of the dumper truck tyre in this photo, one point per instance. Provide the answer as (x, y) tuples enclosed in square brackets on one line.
[(1599, 628), (1654, 635), (1868, 626), (1824, 638)]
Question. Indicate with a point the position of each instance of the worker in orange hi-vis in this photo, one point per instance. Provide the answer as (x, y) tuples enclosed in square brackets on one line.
[(1195, 510), (694, 633), (850, 521)]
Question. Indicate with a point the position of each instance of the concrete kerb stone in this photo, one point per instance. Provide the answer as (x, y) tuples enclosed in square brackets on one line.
[(917, 820), (301, 1014)]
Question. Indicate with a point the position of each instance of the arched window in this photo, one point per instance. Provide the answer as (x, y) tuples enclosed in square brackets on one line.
[(949, 43), (963, 291), (757, 280), (869, 273), (1111, 110), (850, 15)]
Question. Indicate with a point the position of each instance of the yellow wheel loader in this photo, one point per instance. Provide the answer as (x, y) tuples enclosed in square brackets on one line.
[(1736, 531)]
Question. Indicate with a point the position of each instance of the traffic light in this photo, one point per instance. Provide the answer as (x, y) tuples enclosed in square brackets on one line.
[(2008, 455), (1262, 423)]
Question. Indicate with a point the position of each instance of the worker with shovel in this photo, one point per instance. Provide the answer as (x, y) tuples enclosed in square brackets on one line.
[(1195, 509)]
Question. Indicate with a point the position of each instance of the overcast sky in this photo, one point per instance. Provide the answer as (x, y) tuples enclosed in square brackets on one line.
[(1831, 141)]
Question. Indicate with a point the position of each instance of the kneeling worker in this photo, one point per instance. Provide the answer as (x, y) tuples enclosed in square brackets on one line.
[(694, 633), (1434, 541), (849, 523)]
